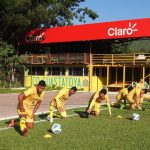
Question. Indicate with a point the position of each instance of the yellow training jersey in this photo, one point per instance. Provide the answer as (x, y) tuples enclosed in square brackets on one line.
[(95, 97), (122, 94), (32, 97), (61, 97), (139, 86), (134, 92), (95, 103)]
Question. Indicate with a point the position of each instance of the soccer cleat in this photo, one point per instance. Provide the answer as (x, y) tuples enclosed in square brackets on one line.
[(11, 123), (24, 132), (87, 114)]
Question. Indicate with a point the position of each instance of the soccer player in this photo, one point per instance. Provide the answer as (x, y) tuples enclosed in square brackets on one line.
[(122, 95), (140, 84), (59, 100), (134, 97), (28, 103), (95, 103)]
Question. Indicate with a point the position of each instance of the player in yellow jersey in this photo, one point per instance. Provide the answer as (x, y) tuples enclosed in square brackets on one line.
[(28, 103), (59, 100), (140, 84), (95, 103), (122, 95), (134, 97)]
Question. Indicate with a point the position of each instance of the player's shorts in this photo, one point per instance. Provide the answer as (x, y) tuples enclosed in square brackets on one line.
[(53, 104), (28, 114), (96, 107)]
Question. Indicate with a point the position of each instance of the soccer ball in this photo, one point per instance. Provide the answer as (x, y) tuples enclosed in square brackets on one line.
[(56, 128), (135, 116), (48, 118)]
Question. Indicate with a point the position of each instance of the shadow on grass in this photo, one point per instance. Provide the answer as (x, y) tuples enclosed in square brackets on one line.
[(49, 130), (81, 114), (129, 118), (16, 126), (43, 116)]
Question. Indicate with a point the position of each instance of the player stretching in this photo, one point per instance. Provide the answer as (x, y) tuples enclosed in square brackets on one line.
[(134, 97), (122, 95), (28, 103), (95, 103), (58, 102)]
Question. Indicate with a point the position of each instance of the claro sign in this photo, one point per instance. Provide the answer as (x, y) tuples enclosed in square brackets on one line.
[(129, 30), (35, 38)]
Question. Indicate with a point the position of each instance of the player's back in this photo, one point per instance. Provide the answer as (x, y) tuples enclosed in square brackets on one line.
[(62, 95)]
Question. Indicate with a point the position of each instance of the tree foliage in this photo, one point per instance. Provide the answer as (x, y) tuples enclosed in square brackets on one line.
[(8, 62), (133, 46), (20, 16), (120, 47)]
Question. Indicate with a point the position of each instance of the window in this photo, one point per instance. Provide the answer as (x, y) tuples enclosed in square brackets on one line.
[(85, 71), (78, 71), (36, 71), (96, 71), (102, 72), (56, 71)]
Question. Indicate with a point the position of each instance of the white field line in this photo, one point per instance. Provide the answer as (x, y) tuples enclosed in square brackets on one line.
[(39, 113), (44, 112), (58, 90), (43, 120)]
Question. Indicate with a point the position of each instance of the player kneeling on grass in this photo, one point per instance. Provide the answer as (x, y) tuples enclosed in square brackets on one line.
[(95, 103), (58, 102), (122, 96), (134, 98), (29, 102)]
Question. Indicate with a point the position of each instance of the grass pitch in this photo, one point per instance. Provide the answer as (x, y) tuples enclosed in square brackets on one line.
[(78, 133)]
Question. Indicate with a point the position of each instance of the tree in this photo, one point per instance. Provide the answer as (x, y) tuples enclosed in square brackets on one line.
[(131, 46), (20, 16), (120, 47), (8, 62)]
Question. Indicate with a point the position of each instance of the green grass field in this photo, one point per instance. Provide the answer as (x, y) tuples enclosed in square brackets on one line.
[(95, 133)]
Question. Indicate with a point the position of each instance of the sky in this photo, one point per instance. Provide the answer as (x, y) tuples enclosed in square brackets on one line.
[(112, 10)]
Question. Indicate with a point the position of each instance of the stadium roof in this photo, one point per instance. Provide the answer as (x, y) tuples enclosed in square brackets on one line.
[(125, 29)]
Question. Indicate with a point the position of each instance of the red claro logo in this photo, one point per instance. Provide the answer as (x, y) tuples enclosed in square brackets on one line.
[(35, 38), (122, 31)]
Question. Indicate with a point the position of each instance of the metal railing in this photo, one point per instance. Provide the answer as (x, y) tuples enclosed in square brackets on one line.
[(59, 58), (84, 58), (114, 59)]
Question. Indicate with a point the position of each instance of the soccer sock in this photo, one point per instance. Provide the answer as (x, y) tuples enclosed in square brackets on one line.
[(22, 123), (51, 112)]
